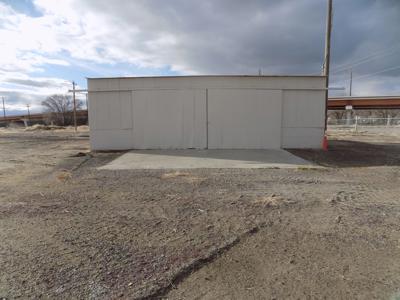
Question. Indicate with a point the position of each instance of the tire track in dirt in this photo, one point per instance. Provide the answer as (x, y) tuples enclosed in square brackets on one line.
[(195, 265)]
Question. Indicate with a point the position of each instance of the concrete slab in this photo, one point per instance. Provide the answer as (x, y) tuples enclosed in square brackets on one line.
[(196, 159)]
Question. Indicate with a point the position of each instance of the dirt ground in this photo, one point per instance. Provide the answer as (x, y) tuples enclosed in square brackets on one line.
[(70, 231)]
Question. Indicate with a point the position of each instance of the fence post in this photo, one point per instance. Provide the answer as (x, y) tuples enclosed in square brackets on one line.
[(388, 121), (348, 117), (355, 124)]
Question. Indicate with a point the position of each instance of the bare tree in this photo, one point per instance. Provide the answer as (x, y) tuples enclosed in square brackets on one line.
[(337, 114), (376, 113), (60, 108), (387, 113)]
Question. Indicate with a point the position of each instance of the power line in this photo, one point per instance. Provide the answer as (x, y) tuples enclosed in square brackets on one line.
[(352, 66), (366, 59), (373, 56), (366, 76), (379, 72)]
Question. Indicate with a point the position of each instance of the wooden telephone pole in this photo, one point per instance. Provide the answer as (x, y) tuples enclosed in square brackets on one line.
[(4, 109), (327, 56), (351, 82), (29, 114), (74, 91), (74, 99)]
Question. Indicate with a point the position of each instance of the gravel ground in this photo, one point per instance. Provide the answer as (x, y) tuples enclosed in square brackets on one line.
[(71, 231)]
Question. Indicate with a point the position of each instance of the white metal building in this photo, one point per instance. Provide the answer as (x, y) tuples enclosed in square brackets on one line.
[(214, 112)]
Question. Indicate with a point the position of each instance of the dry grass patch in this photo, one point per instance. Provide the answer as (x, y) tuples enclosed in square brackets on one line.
[(174, 175), (64, 175), (185, 176), (271, 200)]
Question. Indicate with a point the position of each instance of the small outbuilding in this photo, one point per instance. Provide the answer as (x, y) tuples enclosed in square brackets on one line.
[(206, 112)]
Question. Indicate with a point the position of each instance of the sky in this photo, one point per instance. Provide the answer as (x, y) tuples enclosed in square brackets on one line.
[(46, 44)]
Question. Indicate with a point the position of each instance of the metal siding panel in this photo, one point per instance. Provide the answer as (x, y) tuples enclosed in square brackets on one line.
[(200, 122), (110, 120), (244, 119), (110, 110), (303, 109), (303, 119), (91, 111), (99, 111), (310, 138), (114, 111), (110, 139), (125, 101), (208, 82), (167, 119)]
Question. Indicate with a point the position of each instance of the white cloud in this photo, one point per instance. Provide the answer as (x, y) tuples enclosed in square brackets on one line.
[(193, 37), (20, 90), (26, 43), (369, 87), (189, 36)]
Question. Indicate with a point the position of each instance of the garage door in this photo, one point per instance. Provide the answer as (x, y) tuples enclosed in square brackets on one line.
[(172, 119), (244, 118)]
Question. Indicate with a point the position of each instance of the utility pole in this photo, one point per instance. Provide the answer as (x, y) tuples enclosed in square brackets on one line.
[(73, 95), (74, 91), (4, 109), (327, 56), (351, 81), (29, 114)]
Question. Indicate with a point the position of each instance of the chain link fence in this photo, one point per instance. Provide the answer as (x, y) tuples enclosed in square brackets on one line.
[(365, 124)]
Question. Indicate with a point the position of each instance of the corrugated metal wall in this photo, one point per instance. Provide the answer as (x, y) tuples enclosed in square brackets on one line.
[(244, 119), (230, 112), (169, 119)]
